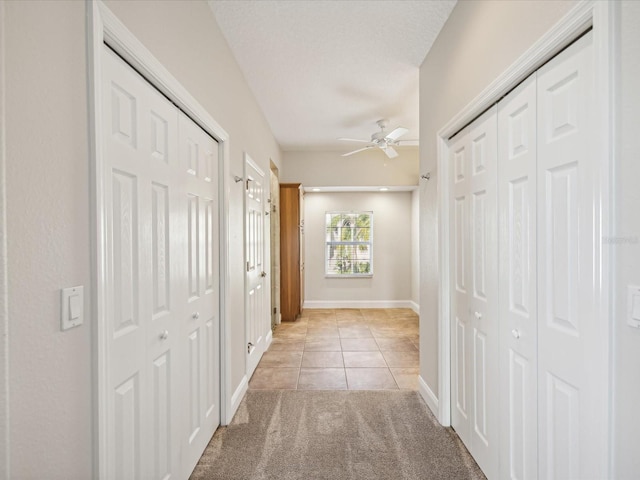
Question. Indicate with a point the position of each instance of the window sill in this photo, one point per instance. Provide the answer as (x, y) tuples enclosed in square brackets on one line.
[(370, 275)]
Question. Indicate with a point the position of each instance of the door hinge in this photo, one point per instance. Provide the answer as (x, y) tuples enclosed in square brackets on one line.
[(248, 268), (275, 310), (249, 346)]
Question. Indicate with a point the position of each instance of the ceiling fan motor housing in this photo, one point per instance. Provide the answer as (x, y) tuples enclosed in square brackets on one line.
[(378, 137)]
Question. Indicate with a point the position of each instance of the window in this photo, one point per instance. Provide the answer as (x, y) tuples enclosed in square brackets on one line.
[(349, 244)]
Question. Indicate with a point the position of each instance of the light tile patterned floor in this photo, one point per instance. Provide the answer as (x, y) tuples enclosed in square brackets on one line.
[(354, 349)]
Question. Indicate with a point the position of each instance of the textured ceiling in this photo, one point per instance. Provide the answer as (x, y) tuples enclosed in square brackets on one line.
[(325, 69)]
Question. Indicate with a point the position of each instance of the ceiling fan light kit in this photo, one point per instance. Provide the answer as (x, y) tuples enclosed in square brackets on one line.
[(382, 140)]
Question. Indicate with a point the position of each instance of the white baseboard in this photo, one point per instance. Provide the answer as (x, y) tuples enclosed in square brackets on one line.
[(268, 339), (415, 307), (236, 398), (359, 304), (428, 396)]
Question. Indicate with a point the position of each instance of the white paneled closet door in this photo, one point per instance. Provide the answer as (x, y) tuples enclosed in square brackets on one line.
[(141, 167), (200, 322), (552, 386), (518, 302), (161, 241), (475, 285), (571, 381), (460, 391)]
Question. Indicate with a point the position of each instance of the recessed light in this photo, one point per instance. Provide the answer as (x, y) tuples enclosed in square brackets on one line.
[(384, 189)]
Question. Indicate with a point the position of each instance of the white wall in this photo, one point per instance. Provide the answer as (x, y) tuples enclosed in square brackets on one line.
[(47, 175), (391, 279), (479, 41), (626, 346), (330, 168), (48, 214)]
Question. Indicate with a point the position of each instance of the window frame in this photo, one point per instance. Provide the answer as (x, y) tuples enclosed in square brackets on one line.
[(327, 244)]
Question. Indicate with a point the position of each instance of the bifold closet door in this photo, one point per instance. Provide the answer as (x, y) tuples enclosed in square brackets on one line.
[(475, 368), (518, 303), (198, 216), (161, 243), (144, 292), (572, 385)]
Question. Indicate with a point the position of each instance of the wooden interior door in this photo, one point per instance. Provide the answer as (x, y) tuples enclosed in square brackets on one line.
[(290, 251)]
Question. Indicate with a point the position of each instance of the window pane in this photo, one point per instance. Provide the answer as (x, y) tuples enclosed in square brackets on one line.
[(348, 259), (348, 237)]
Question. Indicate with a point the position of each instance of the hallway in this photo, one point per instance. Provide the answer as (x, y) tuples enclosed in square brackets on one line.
[(303, 419), (354, 349)]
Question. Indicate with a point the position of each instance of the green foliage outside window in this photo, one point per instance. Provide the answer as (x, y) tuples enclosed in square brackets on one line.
[(349, 243)]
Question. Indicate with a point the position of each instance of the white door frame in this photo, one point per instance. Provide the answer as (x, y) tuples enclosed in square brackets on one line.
[(602, 16), (5, 470), (104, 27), (248, 161)]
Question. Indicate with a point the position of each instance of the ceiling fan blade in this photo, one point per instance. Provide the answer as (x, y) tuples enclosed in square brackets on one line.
[(391, 152), (397, 133), (408, 143), (354, 140), (356, 151)]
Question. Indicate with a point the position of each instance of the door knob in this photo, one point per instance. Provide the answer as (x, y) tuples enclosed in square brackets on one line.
[(164, 335), (263, 274), (196, 315), (516, 333), (478, 315)]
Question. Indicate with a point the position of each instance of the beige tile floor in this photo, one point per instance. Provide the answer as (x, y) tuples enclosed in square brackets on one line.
[(354, 349)]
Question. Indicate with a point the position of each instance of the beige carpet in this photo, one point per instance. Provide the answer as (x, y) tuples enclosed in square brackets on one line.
[(335, 435)]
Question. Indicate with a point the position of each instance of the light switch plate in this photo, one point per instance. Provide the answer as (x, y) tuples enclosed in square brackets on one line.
[(72, 311), (633, 305)]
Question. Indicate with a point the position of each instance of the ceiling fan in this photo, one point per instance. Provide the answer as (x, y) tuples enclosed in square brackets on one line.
[(383, 140)]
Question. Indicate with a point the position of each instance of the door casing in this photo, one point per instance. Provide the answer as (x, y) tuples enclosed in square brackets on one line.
[(104, 27)]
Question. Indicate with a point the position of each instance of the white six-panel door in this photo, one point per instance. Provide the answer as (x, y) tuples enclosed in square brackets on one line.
[(552, 390), (571, 387), (141, 156), (475, 286), (257, 296), (518, 302), (200, 322), (162, 269), (460, 393), (483, 282)]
